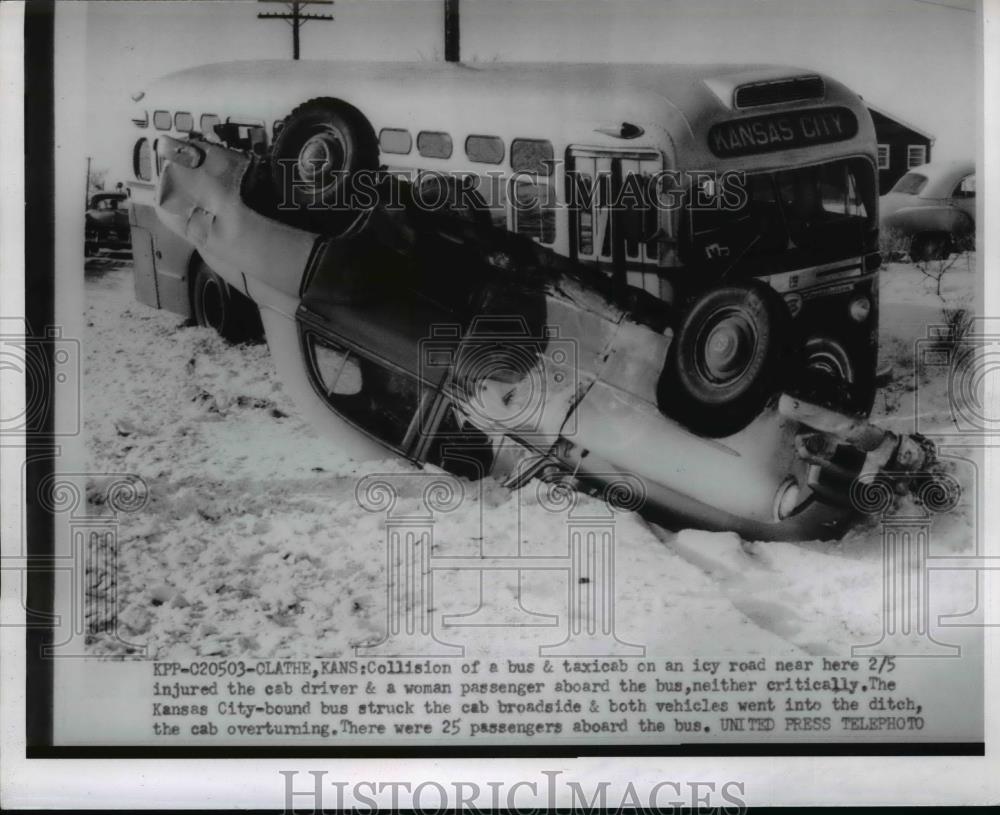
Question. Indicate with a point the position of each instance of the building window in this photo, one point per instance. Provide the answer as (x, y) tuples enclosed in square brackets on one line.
[(484, 149), (883, 156), (916, 155), (394, 140), (161, 119), (433, 145)]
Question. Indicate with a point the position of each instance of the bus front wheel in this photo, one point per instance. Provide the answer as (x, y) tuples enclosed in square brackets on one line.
[(215, 304), (728, 357)]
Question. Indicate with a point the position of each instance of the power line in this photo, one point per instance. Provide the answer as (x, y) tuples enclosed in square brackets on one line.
[(295, 17)]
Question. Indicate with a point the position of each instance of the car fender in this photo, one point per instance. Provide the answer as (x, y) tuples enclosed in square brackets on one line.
[(940, 217), (264, 259), (258, 256)]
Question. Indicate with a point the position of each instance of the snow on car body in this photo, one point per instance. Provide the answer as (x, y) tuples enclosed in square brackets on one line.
[(563, 335)]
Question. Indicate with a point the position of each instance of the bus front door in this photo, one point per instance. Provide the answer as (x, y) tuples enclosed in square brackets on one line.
[(612, 222)]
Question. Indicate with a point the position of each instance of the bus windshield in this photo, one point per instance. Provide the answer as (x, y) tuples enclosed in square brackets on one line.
[(789, 219)]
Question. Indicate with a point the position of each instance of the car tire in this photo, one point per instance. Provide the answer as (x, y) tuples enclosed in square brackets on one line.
[(322, 145), (729, 355), (929, 246), (215, 304)]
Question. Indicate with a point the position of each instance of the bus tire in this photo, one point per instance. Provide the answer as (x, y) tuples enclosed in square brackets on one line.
[(728, 357), (322, 145), (215, 304)]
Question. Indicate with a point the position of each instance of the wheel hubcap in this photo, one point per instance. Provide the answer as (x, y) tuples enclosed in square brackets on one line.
[(727, 347), (321, 157)]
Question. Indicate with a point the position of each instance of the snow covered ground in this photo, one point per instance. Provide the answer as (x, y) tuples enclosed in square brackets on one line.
[(252, 543)]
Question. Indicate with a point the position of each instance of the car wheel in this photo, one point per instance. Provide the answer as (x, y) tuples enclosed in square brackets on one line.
[(833, 377), (727, 359), (217, 305), (322, 145), (929, 246)]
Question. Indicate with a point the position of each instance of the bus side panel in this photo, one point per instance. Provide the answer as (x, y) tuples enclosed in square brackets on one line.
[(143, 267), (169, 262)]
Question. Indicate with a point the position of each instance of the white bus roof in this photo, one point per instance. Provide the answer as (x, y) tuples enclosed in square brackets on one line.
[(563, 102)]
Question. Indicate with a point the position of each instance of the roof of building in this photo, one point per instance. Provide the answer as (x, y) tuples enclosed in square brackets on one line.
[(897, 120)]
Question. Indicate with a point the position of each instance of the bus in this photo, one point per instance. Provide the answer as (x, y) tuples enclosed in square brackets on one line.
[(730, 211)]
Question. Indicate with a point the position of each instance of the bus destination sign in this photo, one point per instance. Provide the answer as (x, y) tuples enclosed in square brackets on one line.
[(782, 131)]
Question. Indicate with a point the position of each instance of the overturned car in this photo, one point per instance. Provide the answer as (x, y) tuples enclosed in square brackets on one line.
[(720, 348)]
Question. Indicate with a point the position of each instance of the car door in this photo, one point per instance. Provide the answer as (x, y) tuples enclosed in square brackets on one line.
[(363, 354), (381, 321)]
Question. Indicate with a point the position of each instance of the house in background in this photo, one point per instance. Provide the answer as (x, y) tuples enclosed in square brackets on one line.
[(900, 147)]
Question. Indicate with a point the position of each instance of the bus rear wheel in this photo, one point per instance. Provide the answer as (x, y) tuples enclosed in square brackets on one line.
[(322, 146), (728, 357), (215, 304)]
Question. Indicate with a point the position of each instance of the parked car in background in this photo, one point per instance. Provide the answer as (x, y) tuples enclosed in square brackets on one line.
[(106, 223), (933, 208)]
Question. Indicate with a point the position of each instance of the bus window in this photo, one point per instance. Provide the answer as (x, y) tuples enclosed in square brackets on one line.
[(584, 215), (183, 122), (532, 204), (805, 215), (533, 197), (818, 202), (142, 160), (207, 124), (531, 156), (395, 140), (433, 145), (484, 149), (161, 119)]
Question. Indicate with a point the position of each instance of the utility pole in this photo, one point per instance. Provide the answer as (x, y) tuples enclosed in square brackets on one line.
[(87, 192), (295, 17), (452, 49)]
